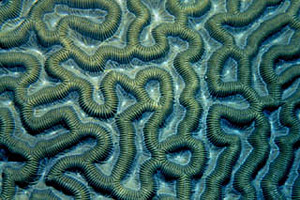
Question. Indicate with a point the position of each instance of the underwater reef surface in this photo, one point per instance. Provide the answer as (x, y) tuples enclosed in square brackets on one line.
[(149, 99)]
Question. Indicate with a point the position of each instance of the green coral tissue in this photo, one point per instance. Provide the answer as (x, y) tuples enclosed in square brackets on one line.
[(149, 99)]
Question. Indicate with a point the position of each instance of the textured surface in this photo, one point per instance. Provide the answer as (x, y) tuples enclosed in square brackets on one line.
[(149, 99)]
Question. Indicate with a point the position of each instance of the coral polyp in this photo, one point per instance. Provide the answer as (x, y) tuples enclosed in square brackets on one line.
[(149, 99)]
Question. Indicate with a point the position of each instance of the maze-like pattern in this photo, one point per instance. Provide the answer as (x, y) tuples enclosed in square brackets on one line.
[(149, 99)]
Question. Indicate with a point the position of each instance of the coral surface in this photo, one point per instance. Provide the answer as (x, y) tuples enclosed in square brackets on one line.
[(149, 99)]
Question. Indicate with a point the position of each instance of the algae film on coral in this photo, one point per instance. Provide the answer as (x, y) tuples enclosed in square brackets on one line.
[(149, 99)]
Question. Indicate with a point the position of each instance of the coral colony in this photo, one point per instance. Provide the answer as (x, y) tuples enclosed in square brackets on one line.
[(149, 99)]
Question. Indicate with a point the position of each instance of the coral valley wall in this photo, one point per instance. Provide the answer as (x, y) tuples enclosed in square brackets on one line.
[(149, 99)]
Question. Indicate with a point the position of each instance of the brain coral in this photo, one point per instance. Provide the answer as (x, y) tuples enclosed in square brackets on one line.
[(149, 99)]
